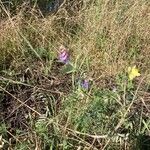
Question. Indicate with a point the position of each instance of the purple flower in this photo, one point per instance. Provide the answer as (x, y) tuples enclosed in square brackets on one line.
[(85, 84), (63, 55)]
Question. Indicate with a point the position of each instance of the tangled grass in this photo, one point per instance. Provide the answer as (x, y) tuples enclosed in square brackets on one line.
[(43, 104)]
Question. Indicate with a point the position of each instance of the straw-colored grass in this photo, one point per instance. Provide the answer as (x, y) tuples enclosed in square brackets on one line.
[(104, 38)]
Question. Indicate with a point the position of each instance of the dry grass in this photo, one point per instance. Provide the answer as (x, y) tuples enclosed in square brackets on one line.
[(111, 32), (104, 37)]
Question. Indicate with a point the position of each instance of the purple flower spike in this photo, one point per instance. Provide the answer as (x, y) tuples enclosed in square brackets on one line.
[(63, 55), (85, 84)]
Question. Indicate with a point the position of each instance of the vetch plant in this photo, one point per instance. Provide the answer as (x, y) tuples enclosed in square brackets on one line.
[(64, 58), (63, 55), (85, 84)]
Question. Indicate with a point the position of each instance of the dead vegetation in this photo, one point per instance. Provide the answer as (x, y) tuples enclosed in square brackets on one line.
[(104, 37)]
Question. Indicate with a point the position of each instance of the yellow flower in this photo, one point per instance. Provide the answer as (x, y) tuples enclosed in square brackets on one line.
[(133, 72)]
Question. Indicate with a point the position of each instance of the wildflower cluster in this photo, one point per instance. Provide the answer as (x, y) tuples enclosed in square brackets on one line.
[(65, 58)]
